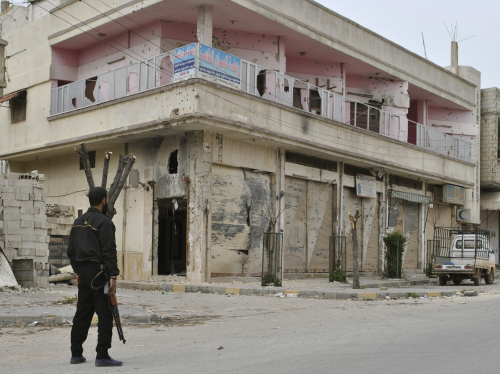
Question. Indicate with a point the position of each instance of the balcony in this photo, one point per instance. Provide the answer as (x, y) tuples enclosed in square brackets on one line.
[(199, 61)]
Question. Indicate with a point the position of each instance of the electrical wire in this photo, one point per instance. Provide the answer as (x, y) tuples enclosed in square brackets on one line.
[(243, 107)]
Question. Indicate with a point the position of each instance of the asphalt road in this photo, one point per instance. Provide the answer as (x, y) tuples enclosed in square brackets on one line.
[(279, 335)]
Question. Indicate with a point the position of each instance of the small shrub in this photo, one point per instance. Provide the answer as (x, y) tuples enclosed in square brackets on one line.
[(69, 299), (269, 279), (395, 246), (412, 295), (338, 276)]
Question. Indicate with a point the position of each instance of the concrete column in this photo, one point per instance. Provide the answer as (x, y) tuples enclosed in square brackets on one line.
[(199, 229), (281, 55), (204, 31), (422, 112), (454, 57)]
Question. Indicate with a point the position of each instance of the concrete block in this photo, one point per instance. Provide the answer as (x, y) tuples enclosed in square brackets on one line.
[(28, 238), (43, 246), (22, 196), (27, 230), (8, 189), (40, 217), (8, 196), (26, 245), (2, 231), (12, 231), (11, 203), (13, 217), (22, 203), (41, 238), (12, 224), (39, 204), (41, 232), (27, 251), (41, 252), (26, 224)]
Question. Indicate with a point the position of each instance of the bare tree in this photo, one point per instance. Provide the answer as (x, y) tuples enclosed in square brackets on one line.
[(125, 164)]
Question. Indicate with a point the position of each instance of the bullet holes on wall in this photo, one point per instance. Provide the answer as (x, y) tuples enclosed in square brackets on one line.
[(173, 163)]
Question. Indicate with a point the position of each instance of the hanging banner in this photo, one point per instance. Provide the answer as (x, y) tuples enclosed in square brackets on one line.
[(184, 62), (366, 186), (220, 67)]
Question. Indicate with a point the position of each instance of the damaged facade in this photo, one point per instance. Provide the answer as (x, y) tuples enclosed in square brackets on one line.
[(302, 102)]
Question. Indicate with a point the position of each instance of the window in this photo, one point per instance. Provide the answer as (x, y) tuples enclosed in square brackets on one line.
[(18, 107), (91, 160)]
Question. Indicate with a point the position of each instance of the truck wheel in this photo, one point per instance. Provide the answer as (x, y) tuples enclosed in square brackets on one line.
[(442, 280), (456, 280), (490, 277), (477, 281)]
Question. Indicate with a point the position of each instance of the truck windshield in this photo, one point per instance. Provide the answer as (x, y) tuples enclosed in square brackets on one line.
[(469, 244)]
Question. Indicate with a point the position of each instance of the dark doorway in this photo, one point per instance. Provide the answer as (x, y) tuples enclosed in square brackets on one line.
[(172, 222)]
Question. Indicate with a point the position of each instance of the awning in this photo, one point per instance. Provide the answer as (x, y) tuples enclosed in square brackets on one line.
[(10, 96), (413, 197), (490, 200)]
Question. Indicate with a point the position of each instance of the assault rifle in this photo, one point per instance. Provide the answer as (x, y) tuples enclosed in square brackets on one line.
[(113, 305)]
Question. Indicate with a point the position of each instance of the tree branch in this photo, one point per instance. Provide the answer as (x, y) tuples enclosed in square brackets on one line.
[(83, 154), (107, 158)]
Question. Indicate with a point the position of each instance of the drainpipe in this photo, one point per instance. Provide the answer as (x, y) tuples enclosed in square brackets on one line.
[(124, 237)]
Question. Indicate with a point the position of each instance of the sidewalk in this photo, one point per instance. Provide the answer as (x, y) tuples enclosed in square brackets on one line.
[(372, 287), (48, 307)]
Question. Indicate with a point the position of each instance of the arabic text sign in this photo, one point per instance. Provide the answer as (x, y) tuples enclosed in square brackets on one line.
[(366, 186), (184, 62), (219, 67)]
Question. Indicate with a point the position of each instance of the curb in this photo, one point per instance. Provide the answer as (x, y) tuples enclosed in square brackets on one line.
[(279, 291)]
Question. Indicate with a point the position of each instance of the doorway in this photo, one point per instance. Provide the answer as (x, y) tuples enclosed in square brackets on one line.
[(172, 222)]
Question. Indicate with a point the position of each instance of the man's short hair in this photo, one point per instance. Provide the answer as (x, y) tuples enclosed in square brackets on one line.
[(96, 195)]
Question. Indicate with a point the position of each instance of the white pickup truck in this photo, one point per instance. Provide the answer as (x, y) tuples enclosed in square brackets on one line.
[(470, 256)]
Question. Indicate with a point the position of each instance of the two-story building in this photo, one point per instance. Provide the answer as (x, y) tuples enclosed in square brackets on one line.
[(246, 116)]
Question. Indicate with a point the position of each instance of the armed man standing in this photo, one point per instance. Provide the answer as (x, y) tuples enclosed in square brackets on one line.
[(91, 245)]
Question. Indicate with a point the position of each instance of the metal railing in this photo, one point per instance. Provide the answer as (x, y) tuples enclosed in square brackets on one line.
[(255, 80), (441, 142)]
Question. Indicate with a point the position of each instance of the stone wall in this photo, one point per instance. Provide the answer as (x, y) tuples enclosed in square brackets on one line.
[(23, 225), (490, 169)]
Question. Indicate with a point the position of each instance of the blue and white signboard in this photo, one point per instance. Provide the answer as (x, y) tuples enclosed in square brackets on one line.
[(184, 62), (219, 67)]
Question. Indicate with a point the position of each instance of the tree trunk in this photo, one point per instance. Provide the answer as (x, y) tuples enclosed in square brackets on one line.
[(83, 154), (107, 158)]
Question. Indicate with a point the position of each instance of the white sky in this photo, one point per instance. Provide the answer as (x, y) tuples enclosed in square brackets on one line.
[(403, 21)]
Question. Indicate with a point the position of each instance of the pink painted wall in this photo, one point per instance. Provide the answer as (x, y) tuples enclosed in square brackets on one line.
[(178, 31), (245, 40), (308, 66), (452, 115), (65, 57)]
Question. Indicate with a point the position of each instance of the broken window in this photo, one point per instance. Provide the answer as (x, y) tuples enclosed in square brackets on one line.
[(173, 163), (315, 102), (91, 160), (18, 107), (166, 71), (89, 88), (261, 82)]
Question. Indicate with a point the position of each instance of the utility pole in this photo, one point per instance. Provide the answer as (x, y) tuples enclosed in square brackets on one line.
[(355, 276)]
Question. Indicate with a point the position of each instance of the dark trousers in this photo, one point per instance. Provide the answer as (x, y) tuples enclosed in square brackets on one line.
[(90, 301)]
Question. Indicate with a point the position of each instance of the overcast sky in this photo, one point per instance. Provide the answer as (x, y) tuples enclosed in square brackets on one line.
[(403, 21)]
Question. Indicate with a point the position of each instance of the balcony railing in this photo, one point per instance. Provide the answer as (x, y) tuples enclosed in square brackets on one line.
[(255, 80), (440, 142)]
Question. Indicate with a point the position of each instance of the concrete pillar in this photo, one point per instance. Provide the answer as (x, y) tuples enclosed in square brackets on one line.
[(422, 112), (281, 55), (199, 190), (204, 28), (454, 57)]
